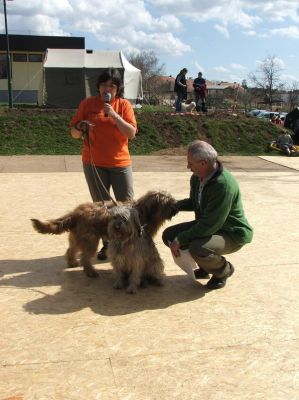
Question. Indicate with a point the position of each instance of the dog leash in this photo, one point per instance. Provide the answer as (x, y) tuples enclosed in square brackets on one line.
[(84, 127)]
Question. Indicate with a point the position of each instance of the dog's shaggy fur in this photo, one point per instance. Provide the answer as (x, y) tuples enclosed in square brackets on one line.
[(88, 222), (132, 252), (154, 208)]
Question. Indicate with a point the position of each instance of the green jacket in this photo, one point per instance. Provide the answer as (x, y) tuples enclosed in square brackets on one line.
[(220, 209)]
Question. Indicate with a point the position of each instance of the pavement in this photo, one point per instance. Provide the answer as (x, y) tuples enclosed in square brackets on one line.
[(68, 337)]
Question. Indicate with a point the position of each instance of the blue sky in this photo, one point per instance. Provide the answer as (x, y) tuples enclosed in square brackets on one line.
[(225, 39)]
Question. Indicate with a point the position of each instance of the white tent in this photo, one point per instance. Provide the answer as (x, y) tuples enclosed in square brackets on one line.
[(70, 75)]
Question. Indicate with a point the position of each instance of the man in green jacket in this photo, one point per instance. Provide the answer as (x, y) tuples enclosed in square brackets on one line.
[(220, 226)]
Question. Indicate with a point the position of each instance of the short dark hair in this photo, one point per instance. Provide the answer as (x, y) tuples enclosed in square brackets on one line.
[(112, 74)]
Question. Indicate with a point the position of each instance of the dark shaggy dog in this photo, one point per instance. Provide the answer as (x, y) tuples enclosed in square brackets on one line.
[(132, 252), (88, 222)]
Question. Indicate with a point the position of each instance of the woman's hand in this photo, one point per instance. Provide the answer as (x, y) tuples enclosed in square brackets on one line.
[(109, 111), (125, 128)]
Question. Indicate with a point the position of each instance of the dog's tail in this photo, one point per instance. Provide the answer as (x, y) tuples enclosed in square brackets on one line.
[(54, 226)]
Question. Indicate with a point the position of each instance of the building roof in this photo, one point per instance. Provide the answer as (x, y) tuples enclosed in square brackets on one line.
[(41, 43), (81, 58)]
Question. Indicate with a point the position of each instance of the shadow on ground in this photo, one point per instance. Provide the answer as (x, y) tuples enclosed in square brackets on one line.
[(77, 291)]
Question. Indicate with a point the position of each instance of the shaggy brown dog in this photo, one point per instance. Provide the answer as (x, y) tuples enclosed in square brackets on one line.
[(132, 252), (87, 224), (154, 208)]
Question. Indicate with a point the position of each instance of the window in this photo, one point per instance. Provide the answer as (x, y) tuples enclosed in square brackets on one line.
[(3, 66), (20, 57), (35, 57)]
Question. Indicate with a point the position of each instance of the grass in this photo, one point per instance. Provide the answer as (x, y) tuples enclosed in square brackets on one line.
[(41, 131)]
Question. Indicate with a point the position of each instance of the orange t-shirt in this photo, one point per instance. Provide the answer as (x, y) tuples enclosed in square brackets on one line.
[(108, 146)]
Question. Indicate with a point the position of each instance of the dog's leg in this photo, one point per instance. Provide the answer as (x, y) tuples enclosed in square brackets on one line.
[(71, 253), (155, 271), (134, 281), (121, 279), (89, 248)]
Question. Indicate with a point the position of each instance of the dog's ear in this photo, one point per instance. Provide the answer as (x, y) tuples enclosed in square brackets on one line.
[(136, 221)]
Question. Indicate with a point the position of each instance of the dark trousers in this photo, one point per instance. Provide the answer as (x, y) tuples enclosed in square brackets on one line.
[(200, 102), (180, 97), (207, 251)]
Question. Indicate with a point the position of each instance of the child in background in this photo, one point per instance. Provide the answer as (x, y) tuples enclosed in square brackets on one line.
[(285, 142)]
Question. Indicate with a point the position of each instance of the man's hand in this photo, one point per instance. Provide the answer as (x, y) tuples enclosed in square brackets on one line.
[(175, 248)]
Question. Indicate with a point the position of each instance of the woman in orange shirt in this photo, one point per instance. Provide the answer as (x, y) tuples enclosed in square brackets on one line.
[(112, 124)]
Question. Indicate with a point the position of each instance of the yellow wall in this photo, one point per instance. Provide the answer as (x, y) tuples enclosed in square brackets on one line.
[(25, 75)]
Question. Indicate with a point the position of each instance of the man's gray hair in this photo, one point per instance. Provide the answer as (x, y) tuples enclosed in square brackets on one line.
[(201, 150)]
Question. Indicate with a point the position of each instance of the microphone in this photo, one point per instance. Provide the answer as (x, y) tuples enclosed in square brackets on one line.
[(107, 99)]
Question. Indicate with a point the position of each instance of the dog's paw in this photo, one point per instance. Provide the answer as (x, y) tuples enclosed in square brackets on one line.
[(91, 272), (144, 283), (132, 289), (73, 264), (118, 285), (159, 282)]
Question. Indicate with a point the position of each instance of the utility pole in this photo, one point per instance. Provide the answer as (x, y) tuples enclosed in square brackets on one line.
[(8, 63)]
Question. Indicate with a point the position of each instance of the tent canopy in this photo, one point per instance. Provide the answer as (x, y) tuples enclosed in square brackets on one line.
[(71, 75)]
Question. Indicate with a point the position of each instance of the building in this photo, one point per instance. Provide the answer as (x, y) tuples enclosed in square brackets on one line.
[(71, 75), (27, 55)]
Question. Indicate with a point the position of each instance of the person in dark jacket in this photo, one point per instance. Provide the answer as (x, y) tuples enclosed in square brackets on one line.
[(220, 226), (200, 92), (180, 87)]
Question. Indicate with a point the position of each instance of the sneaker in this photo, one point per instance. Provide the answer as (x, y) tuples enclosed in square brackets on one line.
[(218, 283), (200, 273), (102, 254)]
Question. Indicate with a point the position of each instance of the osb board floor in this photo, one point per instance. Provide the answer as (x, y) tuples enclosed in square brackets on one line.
[(65, 336)]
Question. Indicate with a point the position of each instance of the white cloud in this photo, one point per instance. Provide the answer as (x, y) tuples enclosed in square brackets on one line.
[(290, 77), (156, 25), (222, 29), (221, 69), (279, 62), (159, 14), (291, 32), (199, 67), (238, 67), (250, 33), (120, 24)]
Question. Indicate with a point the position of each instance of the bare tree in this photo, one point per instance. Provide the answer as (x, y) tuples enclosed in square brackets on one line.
[(267, 78), (150, 67), (293, 95), (147, 62)]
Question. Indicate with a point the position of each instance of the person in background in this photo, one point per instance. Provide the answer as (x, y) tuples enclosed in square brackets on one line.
[(200, 92), (180, 87), (111, 123), (220, 226), (276, 120), (285, 142)]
